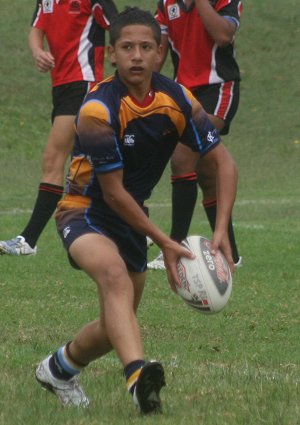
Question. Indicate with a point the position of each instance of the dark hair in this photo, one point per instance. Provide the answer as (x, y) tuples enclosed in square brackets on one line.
[(133, 16)]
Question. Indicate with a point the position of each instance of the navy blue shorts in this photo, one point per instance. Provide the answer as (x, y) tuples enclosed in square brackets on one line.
[(67, 98), (221, 100), (132, 245)]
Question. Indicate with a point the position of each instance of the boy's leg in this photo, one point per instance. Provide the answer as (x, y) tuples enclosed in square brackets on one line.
[(92, 341), (98, 256), (57, 150), (119, 294)]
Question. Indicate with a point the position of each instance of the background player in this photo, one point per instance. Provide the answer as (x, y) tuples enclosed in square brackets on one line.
[(127, 130), (201, 35), (75, 34)]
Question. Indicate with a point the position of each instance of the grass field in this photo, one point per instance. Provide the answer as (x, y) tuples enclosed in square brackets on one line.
[(240, 367)]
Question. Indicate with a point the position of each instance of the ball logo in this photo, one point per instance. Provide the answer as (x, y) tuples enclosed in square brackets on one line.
[(222, 272), (197, 281), (216, 266), (184, 284), (205, 281)]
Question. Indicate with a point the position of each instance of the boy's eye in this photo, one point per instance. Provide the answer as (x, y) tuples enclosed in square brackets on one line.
[(126, 46), (145, 47)]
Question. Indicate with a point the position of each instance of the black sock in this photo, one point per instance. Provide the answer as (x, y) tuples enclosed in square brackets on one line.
[(184, 197), (211, 212), (45, 205)]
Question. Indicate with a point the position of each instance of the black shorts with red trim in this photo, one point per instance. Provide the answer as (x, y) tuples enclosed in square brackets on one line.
[(67, 98), (221, 100)]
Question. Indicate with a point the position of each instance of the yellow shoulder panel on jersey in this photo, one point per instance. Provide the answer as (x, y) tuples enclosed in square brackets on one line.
[(95, 109)]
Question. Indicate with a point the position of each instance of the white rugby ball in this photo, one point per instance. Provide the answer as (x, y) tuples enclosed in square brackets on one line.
[(205, 282)]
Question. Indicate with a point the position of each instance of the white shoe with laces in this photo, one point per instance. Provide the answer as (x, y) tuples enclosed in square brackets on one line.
[(149, 242), (158, 263), (17, 246), (69, 392)]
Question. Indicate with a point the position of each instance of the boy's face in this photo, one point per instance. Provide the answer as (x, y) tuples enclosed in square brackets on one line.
[(135, 54)]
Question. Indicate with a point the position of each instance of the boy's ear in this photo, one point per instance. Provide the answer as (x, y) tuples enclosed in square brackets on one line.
[(159, 53), (111, 54)]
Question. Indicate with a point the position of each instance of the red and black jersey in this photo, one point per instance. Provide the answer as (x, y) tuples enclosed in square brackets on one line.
[(75, 32), (197, 59)]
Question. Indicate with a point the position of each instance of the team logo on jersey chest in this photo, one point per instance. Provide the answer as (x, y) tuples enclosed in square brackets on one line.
[(129, 140), (173, 11), (74, 7), (48, 6)]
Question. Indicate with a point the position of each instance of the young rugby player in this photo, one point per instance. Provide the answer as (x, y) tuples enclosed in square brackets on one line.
[(126, 132)]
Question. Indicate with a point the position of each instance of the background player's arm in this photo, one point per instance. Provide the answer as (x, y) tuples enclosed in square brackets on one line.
[(226, 184), (219, 28), (44, 60)]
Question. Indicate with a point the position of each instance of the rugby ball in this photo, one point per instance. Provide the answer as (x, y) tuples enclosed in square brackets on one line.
[(205, 283)]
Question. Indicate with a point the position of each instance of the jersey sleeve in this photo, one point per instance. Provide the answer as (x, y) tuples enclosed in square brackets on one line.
[(96, 138), (200, 134), (38, 16), (103, 12), (232, 11), (161, 17)]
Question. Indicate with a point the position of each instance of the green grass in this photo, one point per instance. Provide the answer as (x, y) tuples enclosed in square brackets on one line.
[(239, 367)]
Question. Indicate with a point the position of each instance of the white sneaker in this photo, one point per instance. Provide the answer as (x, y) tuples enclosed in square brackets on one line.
[(158, 263), (149, 242), (147, 389), (17, 246), (69, 392), (239, 263)]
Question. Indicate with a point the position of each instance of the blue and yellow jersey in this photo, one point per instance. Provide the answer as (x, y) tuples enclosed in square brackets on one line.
[(115, 132)]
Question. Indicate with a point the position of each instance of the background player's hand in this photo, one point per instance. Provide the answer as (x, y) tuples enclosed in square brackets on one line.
[(222, 243), (172, 252), (44, 61)]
